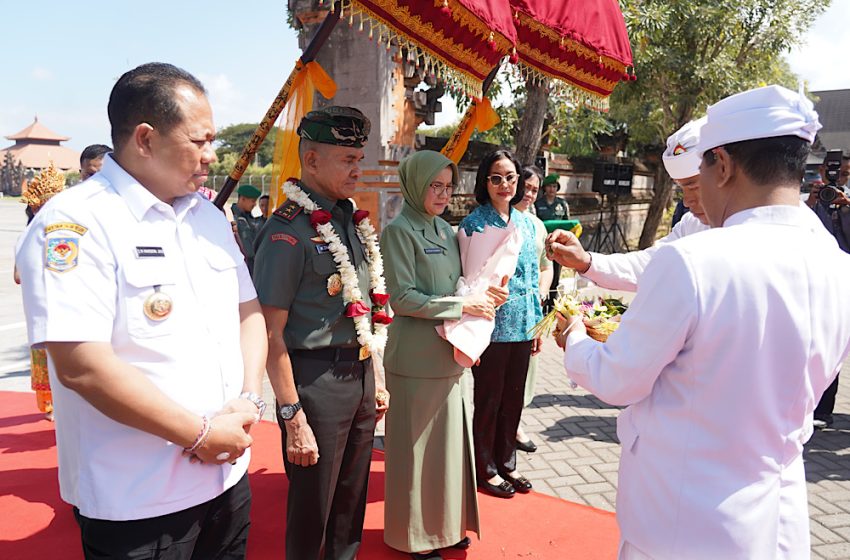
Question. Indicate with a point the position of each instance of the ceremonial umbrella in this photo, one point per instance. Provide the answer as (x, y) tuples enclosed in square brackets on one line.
[(580, 46)]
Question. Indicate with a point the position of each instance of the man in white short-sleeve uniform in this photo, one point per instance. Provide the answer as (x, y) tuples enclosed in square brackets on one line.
[(732, 338), (621, 271), (156, 341)]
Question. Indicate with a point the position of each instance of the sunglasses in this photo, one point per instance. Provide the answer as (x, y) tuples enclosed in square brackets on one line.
[(497, 179), (443, 188)]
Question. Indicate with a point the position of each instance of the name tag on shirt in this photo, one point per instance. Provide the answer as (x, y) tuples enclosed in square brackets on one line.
[(322, 248), (433, 251), (146, 252)]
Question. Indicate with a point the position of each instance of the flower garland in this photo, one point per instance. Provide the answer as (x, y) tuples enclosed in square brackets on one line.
[(355, 308)]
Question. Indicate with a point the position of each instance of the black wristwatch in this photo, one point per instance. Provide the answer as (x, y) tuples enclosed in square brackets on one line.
[(288, 411)]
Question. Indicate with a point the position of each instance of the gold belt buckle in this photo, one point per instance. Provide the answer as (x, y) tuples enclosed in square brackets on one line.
[(364, 353)]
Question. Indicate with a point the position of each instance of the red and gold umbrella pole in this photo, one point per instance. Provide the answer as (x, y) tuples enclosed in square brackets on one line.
[(266, 125)]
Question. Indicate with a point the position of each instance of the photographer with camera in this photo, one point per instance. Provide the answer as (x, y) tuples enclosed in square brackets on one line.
[(830, 200)]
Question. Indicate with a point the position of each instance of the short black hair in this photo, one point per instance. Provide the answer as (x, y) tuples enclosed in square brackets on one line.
[(145, 94), (768, 161), (481, 194), (529, 170), (93, 152), (264, 196)]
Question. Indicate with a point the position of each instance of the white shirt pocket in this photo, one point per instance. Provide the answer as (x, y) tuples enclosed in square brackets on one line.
[(149, 298)]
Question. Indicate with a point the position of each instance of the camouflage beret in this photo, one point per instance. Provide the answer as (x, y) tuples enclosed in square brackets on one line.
[(248, 191), (341, 126)]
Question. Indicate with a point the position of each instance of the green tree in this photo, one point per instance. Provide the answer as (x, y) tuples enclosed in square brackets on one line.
[(234, 138), (225, 164), (691, 53)]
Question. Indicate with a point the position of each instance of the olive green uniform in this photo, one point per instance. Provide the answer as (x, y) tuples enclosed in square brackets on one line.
[(558, 210), (247, 228), (430, 498), (326, 502)]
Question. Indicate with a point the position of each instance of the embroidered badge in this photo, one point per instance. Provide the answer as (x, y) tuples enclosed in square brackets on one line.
[(433, 251), (284, 237), (288, 210), (323, 248), (61, 254), (679, 149), (66, 226), (334, 284), (145, 252)]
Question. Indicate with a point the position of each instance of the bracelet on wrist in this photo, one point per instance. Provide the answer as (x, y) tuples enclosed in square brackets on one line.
[(202, 436)]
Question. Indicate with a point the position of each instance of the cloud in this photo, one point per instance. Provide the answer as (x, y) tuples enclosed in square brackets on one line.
[(41, 74)]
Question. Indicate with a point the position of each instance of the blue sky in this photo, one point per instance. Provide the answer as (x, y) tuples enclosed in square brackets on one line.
[(63, 57)]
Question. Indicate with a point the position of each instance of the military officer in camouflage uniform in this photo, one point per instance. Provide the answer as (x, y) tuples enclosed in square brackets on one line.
[(322, 378), (247, 226)]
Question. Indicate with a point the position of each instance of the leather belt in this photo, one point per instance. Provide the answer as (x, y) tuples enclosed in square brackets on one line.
[(330, 354)]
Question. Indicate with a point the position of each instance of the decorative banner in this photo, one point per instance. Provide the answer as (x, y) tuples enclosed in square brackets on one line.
[(307, 80), (480, 116)]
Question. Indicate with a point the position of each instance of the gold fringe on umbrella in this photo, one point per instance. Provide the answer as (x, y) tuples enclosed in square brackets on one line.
[(433, 62)]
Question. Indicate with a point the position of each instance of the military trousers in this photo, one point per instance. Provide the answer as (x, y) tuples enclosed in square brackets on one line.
[(327, 501)]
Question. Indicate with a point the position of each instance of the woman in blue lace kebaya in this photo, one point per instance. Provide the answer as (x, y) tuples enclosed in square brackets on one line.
[(501, 372)]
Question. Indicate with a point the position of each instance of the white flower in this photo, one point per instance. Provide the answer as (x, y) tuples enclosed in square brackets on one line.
[(377, 340)]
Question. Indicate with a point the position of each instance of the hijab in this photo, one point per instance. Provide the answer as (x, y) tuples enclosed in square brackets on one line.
[(416, 171)]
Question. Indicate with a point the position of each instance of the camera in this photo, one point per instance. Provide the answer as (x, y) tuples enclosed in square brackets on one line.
[(832, 163)]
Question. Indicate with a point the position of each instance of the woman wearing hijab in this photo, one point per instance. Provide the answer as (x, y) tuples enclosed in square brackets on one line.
[(430, 475)]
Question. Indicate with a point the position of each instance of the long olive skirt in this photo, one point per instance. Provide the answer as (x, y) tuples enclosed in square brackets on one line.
[(430, 493)]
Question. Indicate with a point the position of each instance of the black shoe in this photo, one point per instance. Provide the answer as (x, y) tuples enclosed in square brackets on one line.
[(433, 555), (527, 446), (503, 490), (462, 544), (520, 483)]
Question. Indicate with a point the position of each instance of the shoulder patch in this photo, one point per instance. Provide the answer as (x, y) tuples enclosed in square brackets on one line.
[(66, 226), (288, 210), (61, 253), (284, 237)]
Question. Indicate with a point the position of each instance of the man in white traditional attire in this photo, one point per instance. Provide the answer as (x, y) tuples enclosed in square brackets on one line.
[(732, 338), (622, 271)]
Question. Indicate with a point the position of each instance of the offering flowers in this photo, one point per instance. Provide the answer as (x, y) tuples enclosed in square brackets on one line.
[(601, 315)]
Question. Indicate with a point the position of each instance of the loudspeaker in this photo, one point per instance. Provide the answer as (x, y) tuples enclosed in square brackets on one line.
[(613, 178)]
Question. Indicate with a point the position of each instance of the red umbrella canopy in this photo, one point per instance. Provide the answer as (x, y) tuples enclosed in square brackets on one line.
[(581, 43), (463, 40)]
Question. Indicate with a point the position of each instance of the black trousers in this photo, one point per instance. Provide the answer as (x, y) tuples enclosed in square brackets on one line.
[(827, 401), (327, 502), (498, 398), (217, 529)]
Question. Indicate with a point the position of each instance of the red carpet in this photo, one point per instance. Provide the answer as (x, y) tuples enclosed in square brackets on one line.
[(36, 523)]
